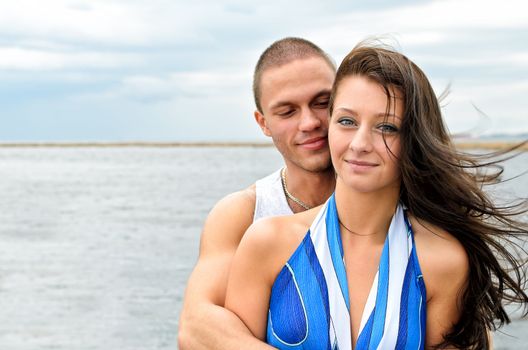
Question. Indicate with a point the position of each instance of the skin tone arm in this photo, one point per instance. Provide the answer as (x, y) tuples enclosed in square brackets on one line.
[(204, 322), (256, 263), (445, 268), (265, 248)]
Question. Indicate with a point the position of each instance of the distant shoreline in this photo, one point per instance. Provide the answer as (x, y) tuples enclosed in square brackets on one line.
[(476, 144), (153, 144), (490, 145)]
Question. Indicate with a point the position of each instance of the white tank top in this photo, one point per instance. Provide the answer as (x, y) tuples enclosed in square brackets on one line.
[(270, 197)]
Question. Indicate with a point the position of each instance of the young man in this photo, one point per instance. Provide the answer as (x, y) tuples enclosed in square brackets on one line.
[(291, 86)]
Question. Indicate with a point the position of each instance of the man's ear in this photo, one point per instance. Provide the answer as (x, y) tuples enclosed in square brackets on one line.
[(262, 123)]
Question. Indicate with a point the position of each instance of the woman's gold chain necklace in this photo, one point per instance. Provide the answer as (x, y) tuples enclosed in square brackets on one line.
[(352, 232)]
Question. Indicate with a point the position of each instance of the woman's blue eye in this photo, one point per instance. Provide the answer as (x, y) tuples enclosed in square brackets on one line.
[(388, 128), (346, 122)]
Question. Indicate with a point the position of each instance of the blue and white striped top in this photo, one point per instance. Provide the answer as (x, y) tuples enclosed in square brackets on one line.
[(309, 303)]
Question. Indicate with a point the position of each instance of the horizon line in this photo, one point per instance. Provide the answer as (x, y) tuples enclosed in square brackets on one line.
[(463, 144), (73, 144)]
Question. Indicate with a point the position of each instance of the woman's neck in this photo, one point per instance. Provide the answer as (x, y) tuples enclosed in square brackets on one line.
[(366, 215)]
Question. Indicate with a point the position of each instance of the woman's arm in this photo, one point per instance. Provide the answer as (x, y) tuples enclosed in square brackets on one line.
[(445, 269), (253, 271), (445, 286)]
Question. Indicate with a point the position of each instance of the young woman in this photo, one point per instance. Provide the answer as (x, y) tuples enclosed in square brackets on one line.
[(407, 254)]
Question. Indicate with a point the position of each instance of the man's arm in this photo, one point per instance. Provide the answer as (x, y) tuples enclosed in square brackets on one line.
[(204, 322)]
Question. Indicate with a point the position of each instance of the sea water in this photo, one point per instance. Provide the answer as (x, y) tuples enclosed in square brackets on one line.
[(96, 244)]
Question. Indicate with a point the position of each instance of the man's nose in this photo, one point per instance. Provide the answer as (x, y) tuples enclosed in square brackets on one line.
[(309, 120)]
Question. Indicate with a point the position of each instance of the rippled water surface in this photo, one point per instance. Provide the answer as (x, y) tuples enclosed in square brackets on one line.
[(96, 244)]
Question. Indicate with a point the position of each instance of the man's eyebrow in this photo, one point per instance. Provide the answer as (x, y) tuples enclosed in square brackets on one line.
[(325, 93), (280, 104)]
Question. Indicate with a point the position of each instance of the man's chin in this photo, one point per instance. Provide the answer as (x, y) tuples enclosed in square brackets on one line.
[(318, 167)]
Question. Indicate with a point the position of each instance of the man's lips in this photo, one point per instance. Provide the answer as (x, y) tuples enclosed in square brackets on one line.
[(314, 143)]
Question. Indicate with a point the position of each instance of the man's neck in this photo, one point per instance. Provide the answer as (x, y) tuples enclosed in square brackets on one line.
[(312, 188)]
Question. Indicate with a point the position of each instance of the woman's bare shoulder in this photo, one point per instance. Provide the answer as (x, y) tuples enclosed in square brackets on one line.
[(273, 240), (282, 229), (442, 257)]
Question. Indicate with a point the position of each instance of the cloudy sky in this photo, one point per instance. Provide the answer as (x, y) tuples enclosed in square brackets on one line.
[(174, 70)]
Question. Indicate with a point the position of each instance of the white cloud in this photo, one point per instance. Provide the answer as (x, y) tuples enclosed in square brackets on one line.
[(468, 14), (56, 19), (112, 22), (197, 84), (13, 58), (431, 23), (211, 80), (504, 105), (196, 58), (206, 85), (507, 59)]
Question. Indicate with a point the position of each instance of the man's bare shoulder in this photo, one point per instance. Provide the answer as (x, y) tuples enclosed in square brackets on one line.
[(236, 200), (228, 220)]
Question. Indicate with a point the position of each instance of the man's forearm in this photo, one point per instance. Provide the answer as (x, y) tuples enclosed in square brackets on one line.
[(213, 327)]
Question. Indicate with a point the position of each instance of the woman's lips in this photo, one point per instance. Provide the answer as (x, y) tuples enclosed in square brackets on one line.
[(358, 165)]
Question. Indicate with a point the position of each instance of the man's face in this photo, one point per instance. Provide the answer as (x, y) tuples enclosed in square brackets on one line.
[(294, 99)]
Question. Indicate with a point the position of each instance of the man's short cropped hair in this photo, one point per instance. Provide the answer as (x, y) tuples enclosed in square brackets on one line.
[(281, 52)]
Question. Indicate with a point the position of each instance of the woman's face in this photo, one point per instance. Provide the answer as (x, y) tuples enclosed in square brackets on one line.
[(364, 135)]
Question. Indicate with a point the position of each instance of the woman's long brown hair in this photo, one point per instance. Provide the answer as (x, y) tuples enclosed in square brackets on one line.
[(445, 187)]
